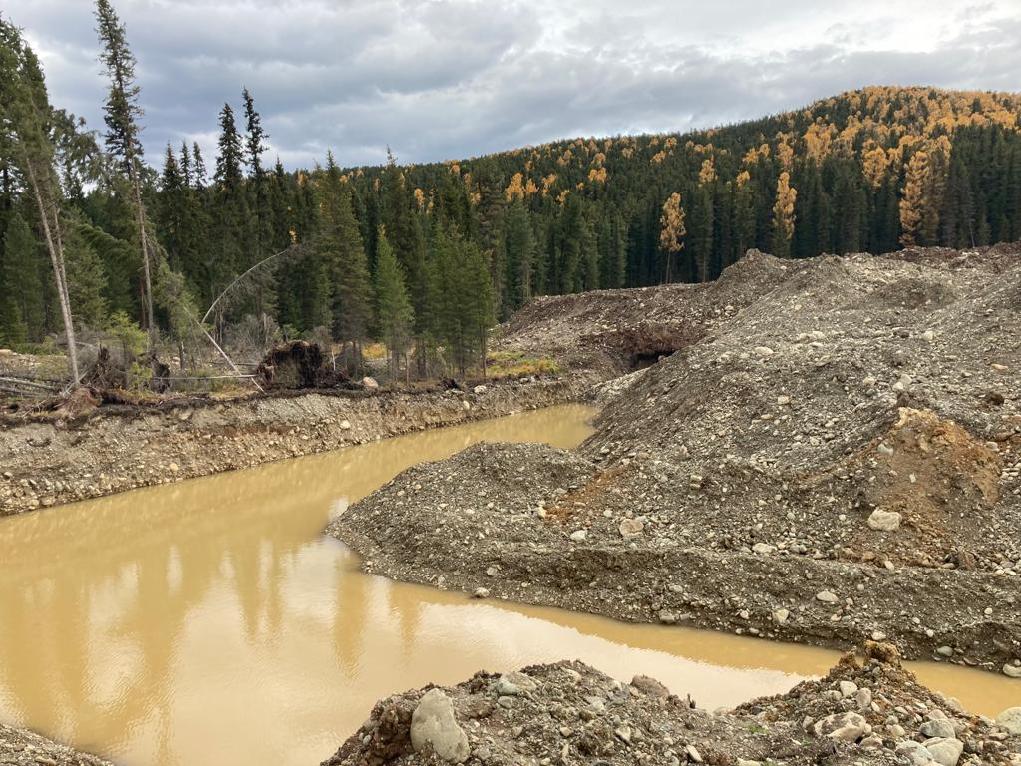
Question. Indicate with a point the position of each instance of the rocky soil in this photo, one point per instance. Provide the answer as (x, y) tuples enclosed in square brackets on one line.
[(868, 710), (23, 748), (112, 449), (834, 455)]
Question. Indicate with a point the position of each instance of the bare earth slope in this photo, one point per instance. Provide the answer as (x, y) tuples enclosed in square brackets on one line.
[(835, 457)]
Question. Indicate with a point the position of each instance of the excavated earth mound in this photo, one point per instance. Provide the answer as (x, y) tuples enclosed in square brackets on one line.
[(868, 710), (836, 456)]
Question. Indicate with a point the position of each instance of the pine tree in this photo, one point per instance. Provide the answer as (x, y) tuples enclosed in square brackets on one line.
[(395, 316), (26, 115), (122, 114), (86, 278), (518, 245), (18, 266), (340, 244)]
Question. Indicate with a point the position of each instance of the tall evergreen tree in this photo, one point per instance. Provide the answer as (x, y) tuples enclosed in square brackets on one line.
[(395, 315), (122, 113)]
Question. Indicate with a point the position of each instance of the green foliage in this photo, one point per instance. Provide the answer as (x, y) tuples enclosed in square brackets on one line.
[(22, 315), (395, 315)]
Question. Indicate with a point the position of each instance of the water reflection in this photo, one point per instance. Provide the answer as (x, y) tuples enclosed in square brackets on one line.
[(208, 622)]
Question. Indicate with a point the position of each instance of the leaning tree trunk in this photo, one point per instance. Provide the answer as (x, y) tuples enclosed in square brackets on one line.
[(146, 270), (55, 245)]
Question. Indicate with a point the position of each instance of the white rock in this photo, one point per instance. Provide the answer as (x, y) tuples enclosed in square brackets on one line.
[(763, 549), (945, 751), (843, 726), (884, 521), (630, 527), (578, 536), (916, 754), (480, 389), (847, 688), (1010, 720), (780, 616), (938, 728), (1012, 670), (433, 727), (827, 596), (763, 351), (345, 425), (369, 383)]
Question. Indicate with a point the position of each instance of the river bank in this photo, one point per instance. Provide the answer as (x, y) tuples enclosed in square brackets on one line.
[(114, 449), (24, 748)]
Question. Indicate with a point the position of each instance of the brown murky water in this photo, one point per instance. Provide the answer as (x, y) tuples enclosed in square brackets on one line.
[(209, 622)]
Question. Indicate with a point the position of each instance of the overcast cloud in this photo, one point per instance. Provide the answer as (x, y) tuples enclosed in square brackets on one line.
[(446, 79)]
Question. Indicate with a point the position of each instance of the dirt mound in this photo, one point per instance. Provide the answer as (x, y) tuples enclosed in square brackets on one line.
[(866, 711), (24, 748), (624, 329), (840, 423)]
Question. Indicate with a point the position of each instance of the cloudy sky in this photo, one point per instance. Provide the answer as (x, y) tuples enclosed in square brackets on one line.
[(445, 79)]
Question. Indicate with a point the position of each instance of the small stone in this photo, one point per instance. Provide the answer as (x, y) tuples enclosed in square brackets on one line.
[(915, 753), (650, 686), (1010, 720), (780, 616), (945, 751), (827, 596), (623, 733), (945, 651), (369, 383), (928, 336), (433, 727), (482, 593), (630, 528), (884, 521), (480, 389), (763, 549), (938, 728), (578, 536), (763, 351), (847, 688), (345, 425), (846, 727), (693, 755), (1012, 671)]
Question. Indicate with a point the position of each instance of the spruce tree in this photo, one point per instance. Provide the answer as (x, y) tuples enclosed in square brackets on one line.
[(19, 266), (27, 116), (122, 113), (395, 315)]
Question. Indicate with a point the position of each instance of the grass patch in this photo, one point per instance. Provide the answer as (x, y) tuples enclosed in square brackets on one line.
[(514, 364)]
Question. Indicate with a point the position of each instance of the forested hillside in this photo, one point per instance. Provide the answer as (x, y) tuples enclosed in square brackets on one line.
[(428, 257)]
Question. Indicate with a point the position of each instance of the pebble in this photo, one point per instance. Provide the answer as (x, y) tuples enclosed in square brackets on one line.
[(884, 521), (827, 596)]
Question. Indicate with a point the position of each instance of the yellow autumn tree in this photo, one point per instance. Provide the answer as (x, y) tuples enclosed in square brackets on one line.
[(783, 216), (672, 231), (912, 202), (707, 173), (516, 188)]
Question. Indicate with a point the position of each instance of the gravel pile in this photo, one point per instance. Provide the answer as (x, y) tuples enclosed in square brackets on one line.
[(868, 710), (836, 459), (23, 748)]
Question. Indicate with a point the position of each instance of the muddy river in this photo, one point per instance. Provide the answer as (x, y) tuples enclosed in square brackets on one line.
[(209, 622)]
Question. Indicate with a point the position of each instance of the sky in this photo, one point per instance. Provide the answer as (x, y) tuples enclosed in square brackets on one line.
[(449, 79)]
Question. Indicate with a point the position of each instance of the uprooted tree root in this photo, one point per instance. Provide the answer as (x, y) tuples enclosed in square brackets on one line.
[(298, 364)]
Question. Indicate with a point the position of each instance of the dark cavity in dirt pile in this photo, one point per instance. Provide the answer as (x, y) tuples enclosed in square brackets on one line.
[(834, 457)]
